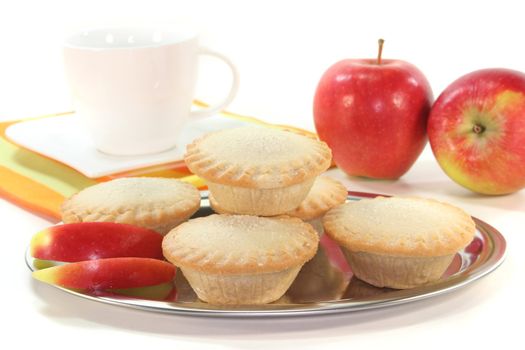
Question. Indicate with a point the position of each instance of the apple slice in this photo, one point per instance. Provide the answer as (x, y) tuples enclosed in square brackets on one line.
[(40, 264), (95, 240), (110, 273), (156, 292)]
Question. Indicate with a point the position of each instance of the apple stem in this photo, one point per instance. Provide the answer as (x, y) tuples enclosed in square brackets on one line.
[(380, 42), (478, 129)]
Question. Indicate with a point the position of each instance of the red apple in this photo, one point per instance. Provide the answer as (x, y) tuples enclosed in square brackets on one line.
[(373, 114), (111, 273), (477, 131), (95, 240)]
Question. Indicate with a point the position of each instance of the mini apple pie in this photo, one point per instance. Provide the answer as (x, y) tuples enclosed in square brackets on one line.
[(399, 242), (240, 259), (325, 194), (159, 204), (257, 170)]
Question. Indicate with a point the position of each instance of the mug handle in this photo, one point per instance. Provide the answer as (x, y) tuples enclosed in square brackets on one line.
[(233, 90)]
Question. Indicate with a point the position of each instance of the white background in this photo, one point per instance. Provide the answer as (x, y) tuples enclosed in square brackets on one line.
[(281, 49)]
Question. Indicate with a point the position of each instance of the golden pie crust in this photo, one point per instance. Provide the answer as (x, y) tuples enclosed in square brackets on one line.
[(325, 194), (400, 272), (240, 289), (400, 226), (159, 204), (240, 244), (257, 157), (261, 202)]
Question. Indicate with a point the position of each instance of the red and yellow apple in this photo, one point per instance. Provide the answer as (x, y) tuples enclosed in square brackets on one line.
[(477, 131), (103, 256), (156, 292), (373, 114), (110, 273), (95, 240)]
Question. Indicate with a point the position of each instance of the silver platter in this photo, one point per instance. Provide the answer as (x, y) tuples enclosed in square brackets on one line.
[(325, 285)]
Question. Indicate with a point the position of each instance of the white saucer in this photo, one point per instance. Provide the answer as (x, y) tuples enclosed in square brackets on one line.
[(64, 139)]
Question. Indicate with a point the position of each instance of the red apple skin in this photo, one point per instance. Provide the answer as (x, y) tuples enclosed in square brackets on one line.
[(111, 273), (95, 240), (491, 160), (373, 116)]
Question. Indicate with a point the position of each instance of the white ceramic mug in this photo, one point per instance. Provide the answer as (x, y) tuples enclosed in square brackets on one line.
[(134, 86)]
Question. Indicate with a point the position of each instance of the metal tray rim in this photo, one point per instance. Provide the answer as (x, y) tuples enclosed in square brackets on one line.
[(490, 257)]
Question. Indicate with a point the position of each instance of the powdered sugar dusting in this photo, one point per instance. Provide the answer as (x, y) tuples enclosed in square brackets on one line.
[(401, 224), (243, 235), (257, 146)]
